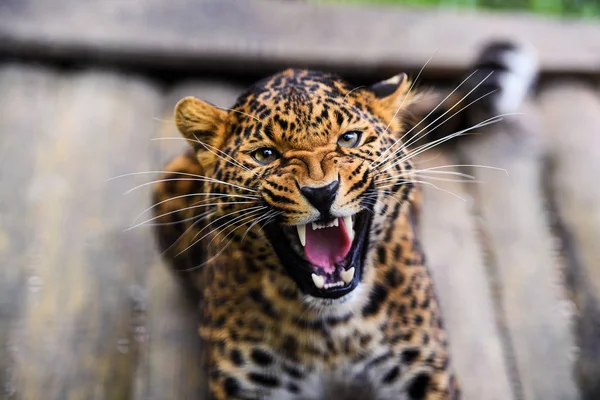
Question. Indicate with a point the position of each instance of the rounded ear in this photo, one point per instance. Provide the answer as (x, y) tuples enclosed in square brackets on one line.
[(393, 92), (203, 125)]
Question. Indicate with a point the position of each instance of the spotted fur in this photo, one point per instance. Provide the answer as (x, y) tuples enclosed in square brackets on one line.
[(267, 337)]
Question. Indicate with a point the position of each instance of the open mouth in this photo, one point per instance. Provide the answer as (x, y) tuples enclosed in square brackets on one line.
[(324, 258)]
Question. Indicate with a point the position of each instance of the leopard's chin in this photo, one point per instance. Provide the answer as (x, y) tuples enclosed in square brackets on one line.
[(334, 274)]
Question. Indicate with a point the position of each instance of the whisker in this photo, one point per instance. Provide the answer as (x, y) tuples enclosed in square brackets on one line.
[(203, 179), (196, 241), (214, 196), (239, 112), (401, 104), (433, 178), (424, 174), (470, 166), (211, 149), (387, 194), (217, 195), (414, 127), (241, 221), (153, 172), (439, 141), (267, 215), (231, 159), (429, 184), (356, 88), (185, 209), (415, 137), (271, 219), (192, 226), (179, 221), (211, 258)]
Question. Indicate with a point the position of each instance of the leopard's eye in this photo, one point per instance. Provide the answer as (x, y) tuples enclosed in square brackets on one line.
[(349, 139), (265, 155)]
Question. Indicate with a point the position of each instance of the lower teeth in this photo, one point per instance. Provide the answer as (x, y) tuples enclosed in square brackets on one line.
[(347, 277), (336, 284)]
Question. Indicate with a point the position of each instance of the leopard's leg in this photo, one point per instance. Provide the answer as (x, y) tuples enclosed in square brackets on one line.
[(176, 199)]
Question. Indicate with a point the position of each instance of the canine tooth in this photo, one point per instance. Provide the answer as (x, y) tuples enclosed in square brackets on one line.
[(348, 275), (319, 281), (302, 233), (349, 227), (336, 222)]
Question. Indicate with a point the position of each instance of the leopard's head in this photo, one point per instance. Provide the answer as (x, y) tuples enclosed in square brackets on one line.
[(307, 169)]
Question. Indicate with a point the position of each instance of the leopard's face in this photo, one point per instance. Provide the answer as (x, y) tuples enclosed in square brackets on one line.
[(301, 163)]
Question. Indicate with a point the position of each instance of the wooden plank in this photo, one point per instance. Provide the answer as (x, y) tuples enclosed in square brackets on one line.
[(80, 335), (456, 261), (520, 253), (171, 367), (571, 113), (24, 92), (228, 35)]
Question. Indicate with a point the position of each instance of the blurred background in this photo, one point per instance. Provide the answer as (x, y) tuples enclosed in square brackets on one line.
[(560, 8), (89, 311)]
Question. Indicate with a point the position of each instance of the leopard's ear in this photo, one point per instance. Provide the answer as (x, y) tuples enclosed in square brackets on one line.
[(393, 93), (203, 125)]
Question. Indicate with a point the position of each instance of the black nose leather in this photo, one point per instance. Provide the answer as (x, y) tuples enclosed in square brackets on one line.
[(321, 197)]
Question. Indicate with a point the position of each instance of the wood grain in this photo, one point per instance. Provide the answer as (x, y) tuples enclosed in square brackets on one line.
[(519, 243), (260, 36), (79, 332), (24, 94), (456, 261), (571, 112)]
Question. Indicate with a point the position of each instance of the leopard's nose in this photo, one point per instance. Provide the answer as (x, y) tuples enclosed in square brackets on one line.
[(321, 197)]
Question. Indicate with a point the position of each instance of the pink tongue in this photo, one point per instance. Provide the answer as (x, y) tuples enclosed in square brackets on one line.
[(327, 246)]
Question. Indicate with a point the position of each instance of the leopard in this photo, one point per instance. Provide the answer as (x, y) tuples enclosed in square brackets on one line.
[(293, 217)]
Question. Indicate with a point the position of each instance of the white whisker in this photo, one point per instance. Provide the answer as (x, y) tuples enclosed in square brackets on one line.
[(211, 149), (469, 166), (356, 88), (216, 195), (429, 184), (239, 112), (189, 228), (416, 136), (251, 211), (203, 179), (414, 127), (154, 172), (185, 209), (444, 139), (401, 104)]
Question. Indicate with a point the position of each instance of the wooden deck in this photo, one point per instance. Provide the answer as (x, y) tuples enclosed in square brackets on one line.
[(89, 311)]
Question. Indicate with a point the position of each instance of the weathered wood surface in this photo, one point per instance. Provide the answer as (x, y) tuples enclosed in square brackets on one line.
[(450, 241), (24, 93), (89, 311), (516, 238), (239, 36), (572, 133), (78, 333)]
